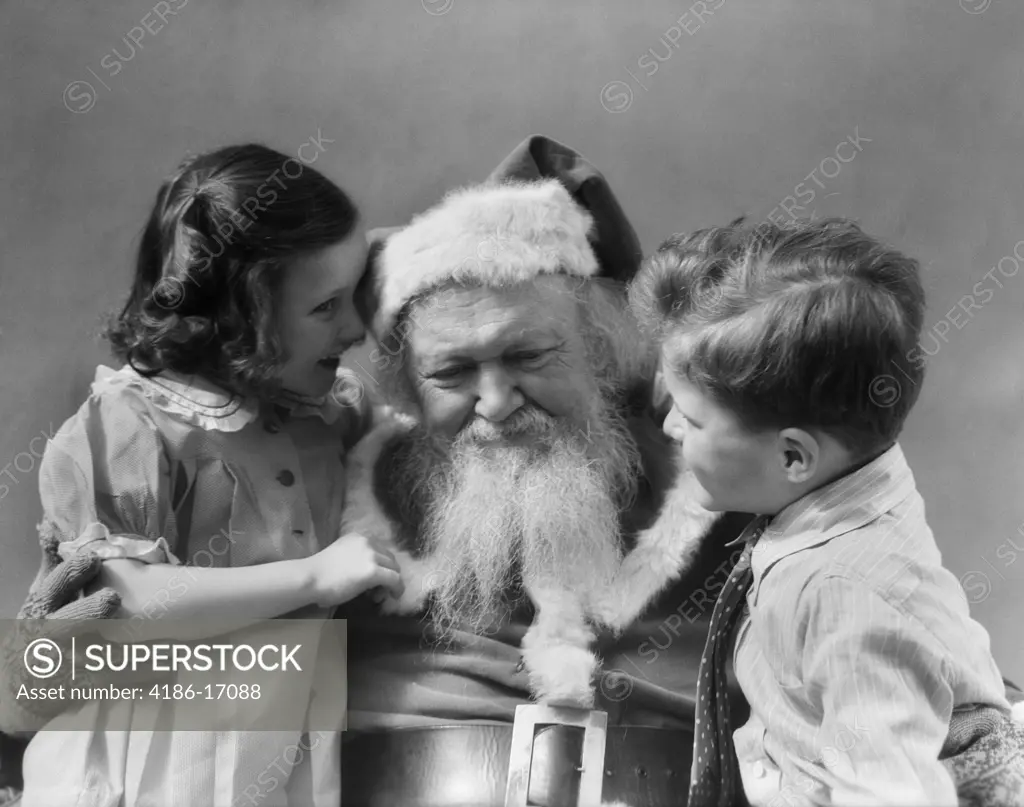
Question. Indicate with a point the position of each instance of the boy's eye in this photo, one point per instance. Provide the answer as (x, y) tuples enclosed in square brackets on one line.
[(326, 306)]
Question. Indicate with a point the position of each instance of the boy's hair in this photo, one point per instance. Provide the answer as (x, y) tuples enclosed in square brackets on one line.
[(211, 260), (808, 325)]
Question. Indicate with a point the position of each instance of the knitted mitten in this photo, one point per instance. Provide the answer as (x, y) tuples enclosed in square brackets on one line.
[(55, 609), (984, 753), (1016, 698)]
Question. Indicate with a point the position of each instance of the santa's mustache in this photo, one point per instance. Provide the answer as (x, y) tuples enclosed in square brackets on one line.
[(527, 421)]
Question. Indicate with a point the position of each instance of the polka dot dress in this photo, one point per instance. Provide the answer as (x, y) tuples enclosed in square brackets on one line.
[(715, 777)]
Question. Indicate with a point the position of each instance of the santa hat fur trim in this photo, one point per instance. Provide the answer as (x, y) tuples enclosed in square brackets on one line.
[(494, 234)]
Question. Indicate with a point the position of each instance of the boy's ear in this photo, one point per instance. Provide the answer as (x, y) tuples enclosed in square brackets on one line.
[(799, 454), (661, 401)]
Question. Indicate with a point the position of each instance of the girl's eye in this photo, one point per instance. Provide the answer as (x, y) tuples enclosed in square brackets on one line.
[(326, 306)]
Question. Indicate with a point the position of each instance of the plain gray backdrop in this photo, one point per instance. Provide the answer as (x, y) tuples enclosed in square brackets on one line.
[(694, 117)]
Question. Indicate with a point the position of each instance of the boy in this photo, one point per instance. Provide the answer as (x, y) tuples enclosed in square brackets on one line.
[(781, 350)]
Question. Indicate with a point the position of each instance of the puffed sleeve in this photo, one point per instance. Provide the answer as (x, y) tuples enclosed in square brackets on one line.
[(879, 678), (105, 483)]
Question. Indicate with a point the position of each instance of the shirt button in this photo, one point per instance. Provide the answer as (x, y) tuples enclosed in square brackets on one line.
[(286, 478), (271, 427), (759, 769)]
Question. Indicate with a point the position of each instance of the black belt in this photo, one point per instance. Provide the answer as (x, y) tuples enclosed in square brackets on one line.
[(468, 766)]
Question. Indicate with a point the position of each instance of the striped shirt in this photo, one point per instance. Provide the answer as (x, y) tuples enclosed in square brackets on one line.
[(856, 647)]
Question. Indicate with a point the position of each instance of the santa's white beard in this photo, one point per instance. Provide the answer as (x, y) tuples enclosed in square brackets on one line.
[(533, 496)]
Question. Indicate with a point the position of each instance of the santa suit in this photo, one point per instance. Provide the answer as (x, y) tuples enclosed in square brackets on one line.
[(431, 724)]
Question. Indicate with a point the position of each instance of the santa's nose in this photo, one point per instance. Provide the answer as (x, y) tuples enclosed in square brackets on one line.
[(497, 395)]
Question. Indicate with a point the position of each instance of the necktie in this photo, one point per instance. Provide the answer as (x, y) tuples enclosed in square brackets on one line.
[(714, 777)]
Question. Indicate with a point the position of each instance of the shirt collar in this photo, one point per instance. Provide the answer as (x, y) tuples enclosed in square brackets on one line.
[(834, 509), (204, 404), (752, 532)]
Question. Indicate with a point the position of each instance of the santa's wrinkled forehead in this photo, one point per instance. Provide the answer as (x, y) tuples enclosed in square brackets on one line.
[(480, 322)]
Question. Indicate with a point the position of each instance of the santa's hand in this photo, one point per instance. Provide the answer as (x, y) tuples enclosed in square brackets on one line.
[(350, 566)]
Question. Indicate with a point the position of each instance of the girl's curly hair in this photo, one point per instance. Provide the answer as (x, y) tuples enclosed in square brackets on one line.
[(210, 263)]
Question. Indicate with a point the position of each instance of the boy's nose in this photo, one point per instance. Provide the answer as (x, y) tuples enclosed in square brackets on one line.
[(674, 425)]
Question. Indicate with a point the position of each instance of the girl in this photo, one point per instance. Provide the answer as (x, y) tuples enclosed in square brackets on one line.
[(218, 445)]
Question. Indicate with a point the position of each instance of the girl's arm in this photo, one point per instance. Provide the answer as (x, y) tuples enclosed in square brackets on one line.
[(192, 602), (180, 601)]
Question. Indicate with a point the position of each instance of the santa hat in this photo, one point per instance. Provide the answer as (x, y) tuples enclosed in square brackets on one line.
[(545, 209)]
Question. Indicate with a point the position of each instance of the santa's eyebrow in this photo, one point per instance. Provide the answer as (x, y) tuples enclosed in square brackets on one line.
[(535, 337), (444, 359)]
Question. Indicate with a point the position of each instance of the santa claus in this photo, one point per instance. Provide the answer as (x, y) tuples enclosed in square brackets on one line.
[(535, 507)]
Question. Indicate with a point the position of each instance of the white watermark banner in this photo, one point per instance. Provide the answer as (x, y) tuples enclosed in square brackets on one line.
[(272, 675)]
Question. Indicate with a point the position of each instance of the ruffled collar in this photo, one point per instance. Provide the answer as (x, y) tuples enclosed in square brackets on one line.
[(326, 407), (202, 403)]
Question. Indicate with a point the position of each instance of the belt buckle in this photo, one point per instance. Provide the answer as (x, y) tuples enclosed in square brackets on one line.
[(595, 737)]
